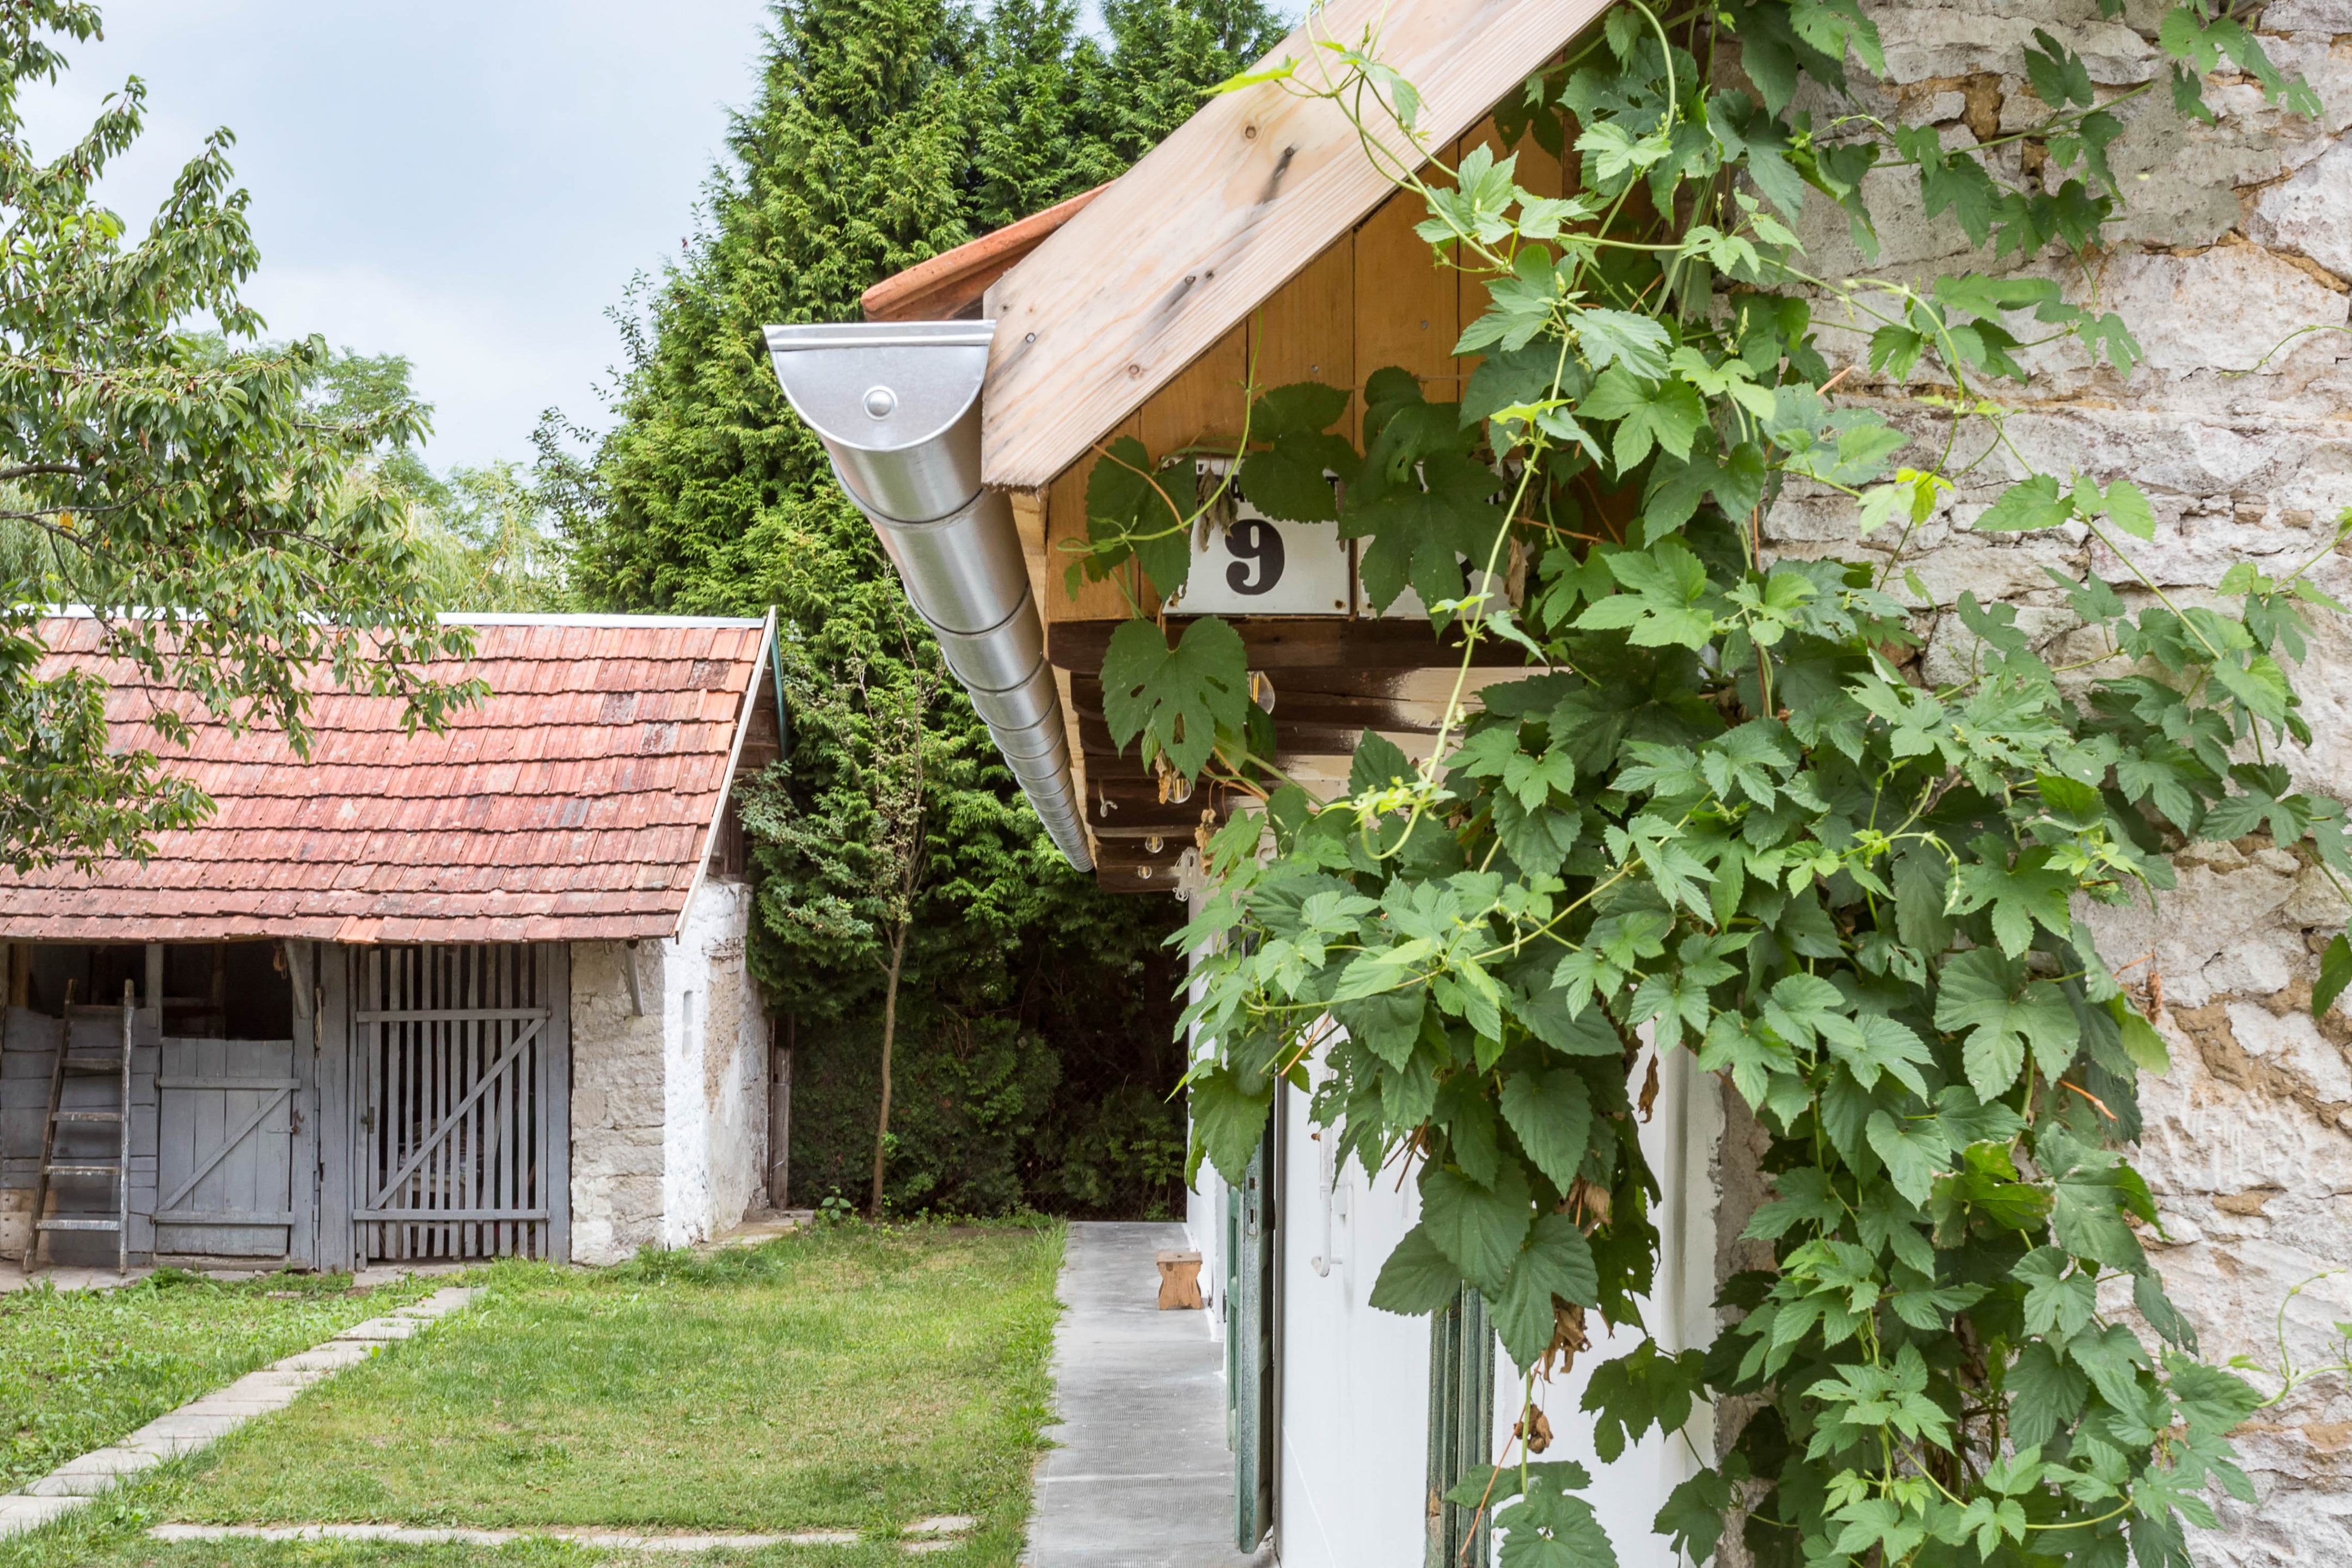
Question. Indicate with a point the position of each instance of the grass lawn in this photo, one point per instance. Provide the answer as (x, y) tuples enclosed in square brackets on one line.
[(81, 1368), (846, 1380)]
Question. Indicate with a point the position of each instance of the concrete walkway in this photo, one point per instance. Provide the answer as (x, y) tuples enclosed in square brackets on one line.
[(199, 1420), (1142, 1478)]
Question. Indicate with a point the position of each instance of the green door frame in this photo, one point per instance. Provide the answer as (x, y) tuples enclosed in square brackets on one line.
[(1461, 1425), (1252, 1321)]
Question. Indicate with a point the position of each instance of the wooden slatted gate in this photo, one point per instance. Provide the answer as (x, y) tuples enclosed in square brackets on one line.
[(460, 1092)]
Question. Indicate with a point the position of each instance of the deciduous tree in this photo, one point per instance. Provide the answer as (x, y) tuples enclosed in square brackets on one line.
[(232, 539)]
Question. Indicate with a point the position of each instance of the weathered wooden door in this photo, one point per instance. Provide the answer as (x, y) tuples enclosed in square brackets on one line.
[(460, 1098), (233, 1135)]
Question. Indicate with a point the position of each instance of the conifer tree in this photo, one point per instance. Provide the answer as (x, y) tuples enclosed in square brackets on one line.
[(885, 131)]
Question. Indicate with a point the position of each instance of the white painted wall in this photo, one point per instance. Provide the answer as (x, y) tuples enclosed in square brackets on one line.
[(670, 1107), (1355, 1381), (715, 1053), (1680, 1143), (1355, 1390)]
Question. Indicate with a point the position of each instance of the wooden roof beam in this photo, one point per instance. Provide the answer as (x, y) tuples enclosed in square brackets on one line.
[(1238, 199)]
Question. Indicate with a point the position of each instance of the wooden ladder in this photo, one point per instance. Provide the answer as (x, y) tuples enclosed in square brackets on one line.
[(119, 1066)]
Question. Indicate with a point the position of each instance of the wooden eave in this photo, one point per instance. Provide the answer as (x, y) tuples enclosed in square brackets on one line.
[(952, 284), (1176, 252), (1259, 243)]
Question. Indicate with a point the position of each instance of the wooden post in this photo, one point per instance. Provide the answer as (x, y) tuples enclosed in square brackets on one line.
[(1180, 1281)]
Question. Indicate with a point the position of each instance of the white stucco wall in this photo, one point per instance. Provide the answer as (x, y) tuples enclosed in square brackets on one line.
[(669, 1131), (715, 1141), (1355, 1380)]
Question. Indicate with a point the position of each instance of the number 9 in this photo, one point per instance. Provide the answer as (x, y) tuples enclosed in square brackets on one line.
[(1253, 539)]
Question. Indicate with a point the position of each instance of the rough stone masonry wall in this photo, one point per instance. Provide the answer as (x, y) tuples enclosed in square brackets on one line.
[(669, 1131), (2236, 235), (618, 1107)]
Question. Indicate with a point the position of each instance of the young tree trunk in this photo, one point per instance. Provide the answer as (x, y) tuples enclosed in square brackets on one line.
[(890, 1032)]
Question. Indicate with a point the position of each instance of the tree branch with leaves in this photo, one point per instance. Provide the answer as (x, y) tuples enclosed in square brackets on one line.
[(234, 545)]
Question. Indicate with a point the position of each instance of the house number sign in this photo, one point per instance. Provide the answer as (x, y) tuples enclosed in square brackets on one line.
[(1257, 566)]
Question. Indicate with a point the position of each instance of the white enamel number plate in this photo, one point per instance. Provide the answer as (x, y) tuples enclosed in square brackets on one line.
[(1261, 567)]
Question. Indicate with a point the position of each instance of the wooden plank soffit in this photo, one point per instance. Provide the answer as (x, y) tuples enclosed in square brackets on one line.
[(1177, 251)]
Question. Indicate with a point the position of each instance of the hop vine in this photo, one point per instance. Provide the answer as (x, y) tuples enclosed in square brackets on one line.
[(1724, 813)]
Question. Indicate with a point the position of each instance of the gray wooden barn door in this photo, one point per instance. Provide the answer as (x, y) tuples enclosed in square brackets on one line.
[(233, 1129), (459, 1088)]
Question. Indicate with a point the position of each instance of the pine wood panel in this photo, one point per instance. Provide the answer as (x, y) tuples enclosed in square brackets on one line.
[(1307, 330), (1029, 523), (1203, 406), (1066, 519), (1217, 217), (1407, 306)]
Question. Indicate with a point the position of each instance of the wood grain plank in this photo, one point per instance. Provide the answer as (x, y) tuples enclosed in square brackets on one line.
[(1203, 406), (1219, 216), (1070, 731), (1029, 523), (1307, 330), (1408, 306), (1323, 641), (1066, 520)]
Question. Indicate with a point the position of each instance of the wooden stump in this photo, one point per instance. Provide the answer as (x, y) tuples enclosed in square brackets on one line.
[(1180, 1280)]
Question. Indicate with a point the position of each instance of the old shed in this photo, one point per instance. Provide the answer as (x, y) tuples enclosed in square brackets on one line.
[(468, 994)]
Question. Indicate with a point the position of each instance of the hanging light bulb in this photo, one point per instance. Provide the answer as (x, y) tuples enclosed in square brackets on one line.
[(1261, 689), (1154, 845)]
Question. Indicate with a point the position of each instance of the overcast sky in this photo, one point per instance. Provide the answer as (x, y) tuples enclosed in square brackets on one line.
[(467, 184)]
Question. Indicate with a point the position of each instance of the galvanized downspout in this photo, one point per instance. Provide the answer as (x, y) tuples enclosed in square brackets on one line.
[(896, 404)]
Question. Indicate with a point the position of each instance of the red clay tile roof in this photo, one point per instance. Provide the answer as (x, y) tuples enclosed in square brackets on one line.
[(575, 804)]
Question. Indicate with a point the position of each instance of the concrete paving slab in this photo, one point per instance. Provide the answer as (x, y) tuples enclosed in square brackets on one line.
[(92, 1473), (20, 1512), (185, 1423), (439, 1304), (1142, 1478), (942, 1524), (380, 1329), (392, 1274), (226, 1404), (213, 1416), (164, 1447), (331, 1356)]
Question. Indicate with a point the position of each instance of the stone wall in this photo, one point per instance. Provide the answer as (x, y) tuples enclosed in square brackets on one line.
[(716, 1146), (2238, 235), (618, 1112), (669, 1105)]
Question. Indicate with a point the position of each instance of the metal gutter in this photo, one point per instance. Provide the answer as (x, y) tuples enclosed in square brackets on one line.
[(896, 404)]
